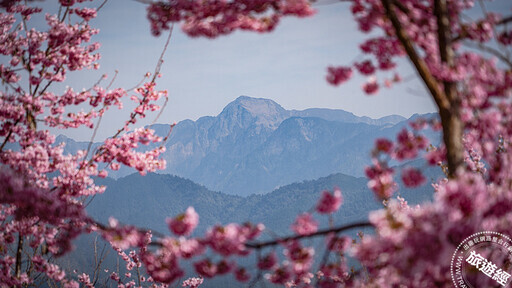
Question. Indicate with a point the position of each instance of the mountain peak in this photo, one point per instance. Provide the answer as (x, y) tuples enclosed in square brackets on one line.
[(266, 112), (258, 106)]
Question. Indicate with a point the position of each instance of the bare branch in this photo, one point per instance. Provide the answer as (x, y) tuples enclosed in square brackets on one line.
[(505, 20), (336, 230), (156, 73), (161, 58)]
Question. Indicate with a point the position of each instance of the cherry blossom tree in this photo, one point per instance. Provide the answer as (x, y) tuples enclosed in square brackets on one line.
[(43, 190), (464, 62)]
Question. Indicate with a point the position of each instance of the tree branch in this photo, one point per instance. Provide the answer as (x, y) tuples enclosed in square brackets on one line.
[(19, 250), (259, 245), (463, 34), (418, 63), (505, 20), (8, 136), (401, 6), (489, 50), (447, 101), (450, 118)]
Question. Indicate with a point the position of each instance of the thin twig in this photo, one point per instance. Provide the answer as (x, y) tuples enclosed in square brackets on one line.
[(495, 33), (161, 58), (160, 112), (91, 142), (489, 50), (101, 6), (153, 80), (137, 85)]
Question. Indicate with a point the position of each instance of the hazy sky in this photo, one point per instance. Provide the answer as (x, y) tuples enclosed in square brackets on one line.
[(203, 75)]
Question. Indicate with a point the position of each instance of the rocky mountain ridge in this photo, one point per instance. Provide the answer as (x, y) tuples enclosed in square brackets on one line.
[(255, 146)]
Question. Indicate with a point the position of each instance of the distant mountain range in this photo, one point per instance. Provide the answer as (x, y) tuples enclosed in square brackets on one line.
[(168, 195), (255, 146), (146, 201)]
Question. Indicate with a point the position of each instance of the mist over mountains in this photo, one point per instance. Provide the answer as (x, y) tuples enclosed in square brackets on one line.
[(255, 146)]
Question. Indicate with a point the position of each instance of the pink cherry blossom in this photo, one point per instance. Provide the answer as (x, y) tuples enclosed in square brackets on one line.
[(338, 75), (219, 18), (371, 87), (228, 240), (268, 261), (383, 145), (409, 145), (305, 224), (381, 181), (338, 244), (193, 282), (329, 202), (185, 223), (242, 275), (281, 275), (366, 67), (206, 268), (412, 177), (301, 258)]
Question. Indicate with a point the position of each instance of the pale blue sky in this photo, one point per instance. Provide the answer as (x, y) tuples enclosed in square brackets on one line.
[(204, 75)]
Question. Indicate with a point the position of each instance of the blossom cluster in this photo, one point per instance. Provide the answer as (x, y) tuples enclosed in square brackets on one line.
[(401, 252), (408, 146), (122, 151), (215, 18), (43, 190)]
